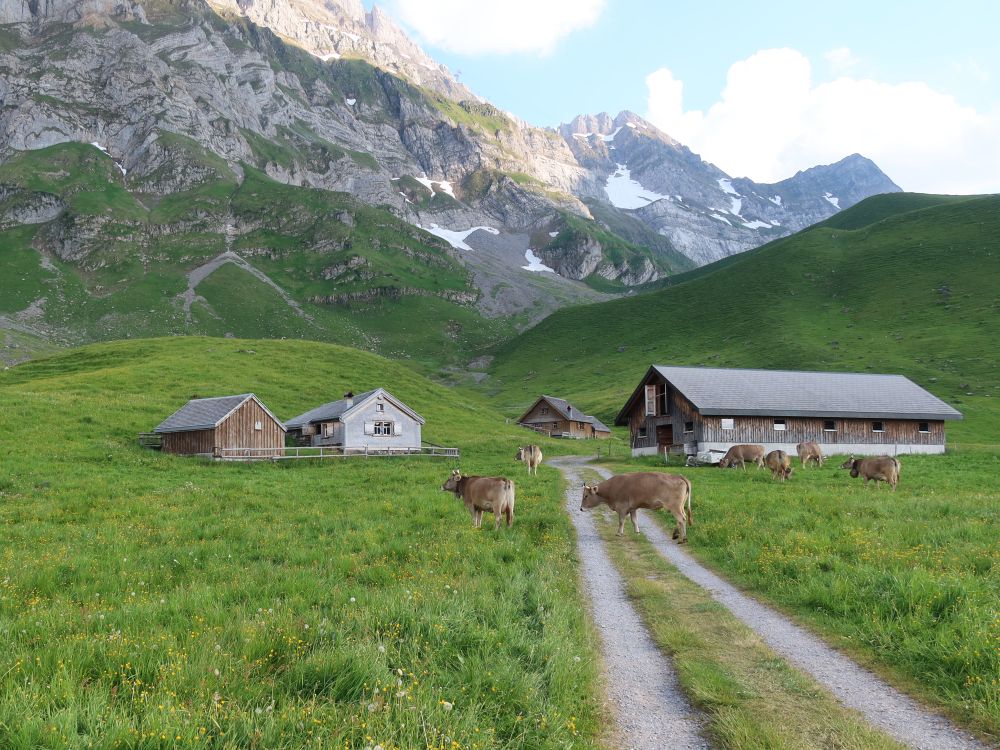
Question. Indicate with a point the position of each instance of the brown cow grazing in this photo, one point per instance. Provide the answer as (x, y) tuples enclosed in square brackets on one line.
[(627, 493), (738, 455), (531, 455), (880, 468), (780, 464), (810, 451), (481, 494)]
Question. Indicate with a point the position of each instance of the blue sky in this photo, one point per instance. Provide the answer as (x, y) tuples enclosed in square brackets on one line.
[(925, 71)]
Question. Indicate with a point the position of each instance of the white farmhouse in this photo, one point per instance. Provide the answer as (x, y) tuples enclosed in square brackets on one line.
[(372, 421)]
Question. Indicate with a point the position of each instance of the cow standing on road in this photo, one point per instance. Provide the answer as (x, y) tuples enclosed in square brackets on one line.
[(628, 493), (880, 468), (532, 456), (481, 494)]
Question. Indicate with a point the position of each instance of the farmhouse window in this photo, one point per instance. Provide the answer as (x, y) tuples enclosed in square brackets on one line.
[(924, 427), (689, 427), (383, 428), (829, 425), (878, 427), (779, 424), (379, 407), (728, 423), (258, 425), (650, 400)]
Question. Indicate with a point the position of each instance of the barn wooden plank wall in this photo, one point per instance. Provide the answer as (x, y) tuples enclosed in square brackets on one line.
[(237, 431)]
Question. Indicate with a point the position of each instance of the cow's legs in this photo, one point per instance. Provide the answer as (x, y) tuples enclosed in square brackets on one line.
[(509, 512), (635, 519), (497, 515), (621, 524), (681, 529)]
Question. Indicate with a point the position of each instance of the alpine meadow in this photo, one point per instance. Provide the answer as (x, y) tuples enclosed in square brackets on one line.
[(275, 273)]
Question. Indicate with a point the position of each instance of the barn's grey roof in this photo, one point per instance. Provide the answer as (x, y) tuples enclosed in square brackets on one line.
[(337, 409), (567, 410), (207, 413), (784, 393)]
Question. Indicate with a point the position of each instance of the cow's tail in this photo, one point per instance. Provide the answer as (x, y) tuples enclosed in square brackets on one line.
[(690, 518)]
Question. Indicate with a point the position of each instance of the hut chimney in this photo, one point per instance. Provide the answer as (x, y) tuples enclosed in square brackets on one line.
[(349, 398)]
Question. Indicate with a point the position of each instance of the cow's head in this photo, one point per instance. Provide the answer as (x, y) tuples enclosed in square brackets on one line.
[(788, 471), (590, 497), (451, 484), (849, 463), (520, 455), (723, 463)]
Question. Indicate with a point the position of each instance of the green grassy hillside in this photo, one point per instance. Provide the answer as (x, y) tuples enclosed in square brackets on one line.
[(155, 601), (913, 293), (113, 263)]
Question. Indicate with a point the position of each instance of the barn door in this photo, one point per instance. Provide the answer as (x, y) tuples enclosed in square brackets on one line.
[(665, 435)]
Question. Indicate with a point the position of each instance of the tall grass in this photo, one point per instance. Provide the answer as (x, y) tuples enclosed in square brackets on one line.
[(155, 601)]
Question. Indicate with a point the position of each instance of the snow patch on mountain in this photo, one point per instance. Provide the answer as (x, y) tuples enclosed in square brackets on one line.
[(624, 192), (726, 186), (457, 238), (776, 200), (833, 200), (535, 263), (756, 224), (720, 217), (443, 186), (735, 206), (101, 148)]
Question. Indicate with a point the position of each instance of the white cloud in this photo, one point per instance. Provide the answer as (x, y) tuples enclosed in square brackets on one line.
[(841, 59), (772, 120), (475, 27)]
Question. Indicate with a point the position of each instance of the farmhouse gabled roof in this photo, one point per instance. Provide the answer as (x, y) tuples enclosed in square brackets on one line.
[(342, 408), (785, 393), (568, 411), (208, 413)]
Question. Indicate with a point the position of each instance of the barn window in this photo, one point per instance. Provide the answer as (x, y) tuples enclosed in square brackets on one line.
[(878, 427), (829, 425), (689, 427), (642, 432), (728, 423), (545, 410), (258, 425), (650, 400), (779, 424), (924, 426)]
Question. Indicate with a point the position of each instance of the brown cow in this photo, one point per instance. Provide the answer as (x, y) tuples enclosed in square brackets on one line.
[(738, 455), (531, 455), (810, 451), (880, 468), (627, 493), (780, 465), (483, 493)]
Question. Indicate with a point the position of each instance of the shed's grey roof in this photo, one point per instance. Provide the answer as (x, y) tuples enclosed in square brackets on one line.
[(207, 413), (337, 409), (567, 410), (805, 394)]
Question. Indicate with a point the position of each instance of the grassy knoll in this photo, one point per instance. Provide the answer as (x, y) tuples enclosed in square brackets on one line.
[(913, 293), (752, 697), (908, 582), (150, 601)]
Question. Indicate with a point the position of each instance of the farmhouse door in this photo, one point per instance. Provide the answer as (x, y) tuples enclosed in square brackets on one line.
[(664, 436)]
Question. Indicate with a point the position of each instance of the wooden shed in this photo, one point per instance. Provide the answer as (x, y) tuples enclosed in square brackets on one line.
[(232, 427), (557, 417), (694, 409)]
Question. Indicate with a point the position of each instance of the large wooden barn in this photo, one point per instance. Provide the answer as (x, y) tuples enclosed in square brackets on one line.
[(223, 427), (695, 409), (557, 417)]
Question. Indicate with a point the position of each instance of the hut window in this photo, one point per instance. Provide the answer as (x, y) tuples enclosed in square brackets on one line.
[(258, 425), (878, 427), (779, 424), (924, 426), (545, 410), (689, 427), (829, 425), (728, 423)]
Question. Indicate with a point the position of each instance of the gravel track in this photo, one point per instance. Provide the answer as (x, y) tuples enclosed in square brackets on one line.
[(882, 705), (650, 709)]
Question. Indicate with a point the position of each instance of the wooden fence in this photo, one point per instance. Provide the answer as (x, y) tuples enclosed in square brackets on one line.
[(323, 452)]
